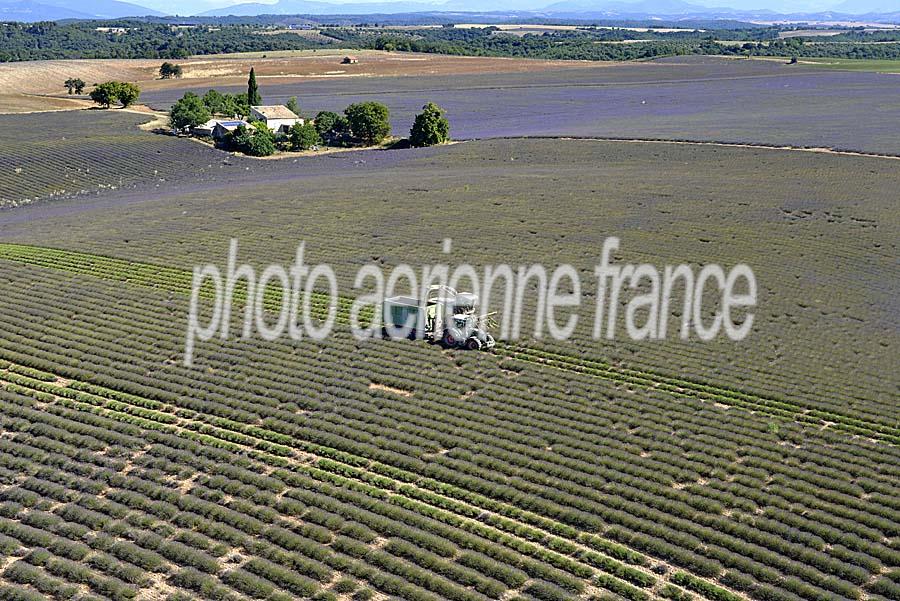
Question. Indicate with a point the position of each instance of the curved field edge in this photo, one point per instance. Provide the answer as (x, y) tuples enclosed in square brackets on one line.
[(91, 152), (179, 281)]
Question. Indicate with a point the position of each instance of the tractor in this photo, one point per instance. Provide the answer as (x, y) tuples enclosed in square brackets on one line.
[(447, 317)]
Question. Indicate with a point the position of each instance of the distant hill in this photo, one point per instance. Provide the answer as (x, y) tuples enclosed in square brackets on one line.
[(305, 7), (54, 10), (860, 7), (27, 10), (585, 9), (649, 7)]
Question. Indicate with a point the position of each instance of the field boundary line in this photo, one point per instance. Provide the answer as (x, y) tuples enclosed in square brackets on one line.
[(715, 143), (63, 260)]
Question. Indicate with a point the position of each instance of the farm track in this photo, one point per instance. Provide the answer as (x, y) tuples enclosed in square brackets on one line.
[(519, 529), (179, 281)]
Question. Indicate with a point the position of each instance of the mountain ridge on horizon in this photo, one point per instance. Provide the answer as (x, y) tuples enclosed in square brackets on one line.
[(51, 10)]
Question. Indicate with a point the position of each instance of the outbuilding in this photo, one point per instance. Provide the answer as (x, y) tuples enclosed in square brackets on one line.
[(223, 128), (205, 130)]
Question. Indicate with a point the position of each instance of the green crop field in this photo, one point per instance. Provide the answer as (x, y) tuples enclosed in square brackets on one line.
[(850, 64)]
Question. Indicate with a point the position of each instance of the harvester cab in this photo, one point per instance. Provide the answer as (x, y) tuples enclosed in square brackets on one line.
[(448, 317)]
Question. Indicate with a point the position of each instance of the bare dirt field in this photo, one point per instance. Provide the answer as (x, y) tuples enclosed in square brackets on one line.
[(46, 77)]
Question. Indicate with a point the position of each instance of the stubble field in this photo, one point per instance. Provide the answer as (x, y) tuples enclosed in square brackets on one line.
[(38, 85)]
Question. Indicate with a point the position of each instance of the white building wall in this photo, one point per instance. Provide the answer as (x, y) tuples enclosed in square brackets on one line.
[(275, 124)]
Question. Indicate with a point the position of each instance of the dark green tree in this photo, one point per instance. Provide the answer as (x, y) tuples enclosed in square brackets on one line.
[(430, 127), (256, 140), (331, 127), (108, 92), (168, 70), (236, 104), (105, 93), (74, 85), (325, 121), (369, 122), (214, 102), (293, 106), (127, 93), (253, 97), (189, 111), (304, 137)]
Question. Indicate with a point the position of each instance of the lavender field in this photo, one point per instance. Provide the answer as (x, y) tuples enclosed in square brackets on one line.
[(584, 469), (64, 154), (103, 154), (688, 98)]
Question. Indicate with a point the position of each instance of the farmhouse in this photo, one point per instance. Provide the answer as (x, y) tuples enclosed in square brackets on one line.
[(277, 117)]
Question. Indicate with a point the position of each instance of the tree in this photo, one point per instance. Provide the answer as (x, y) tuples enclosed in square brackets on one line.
[(74, 85), (256, 140), (115, 91), (105, 93), (325, 121), (430, 127), (168, 70), (237, 104), (293, 106), (253, 97), (226, 104), (369, 122), (189, 111), (331, 127), (304, 137), (127, 94), (214, 102)]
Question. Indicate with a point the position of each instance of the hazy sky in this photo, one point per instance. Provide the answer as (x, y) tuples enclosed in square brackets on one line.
[(784, 6)]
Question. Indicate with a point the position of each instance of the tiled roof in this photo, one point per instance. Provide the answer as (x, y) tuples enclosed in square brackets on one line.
[(275, 112)]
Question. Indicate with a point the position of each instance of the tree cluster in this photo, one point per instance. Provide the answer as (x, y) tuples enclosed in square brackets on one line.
[(169, 70), (190, 111), (586, 43), (83, 39), (255, 139), (107, 93), (74, 85)]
